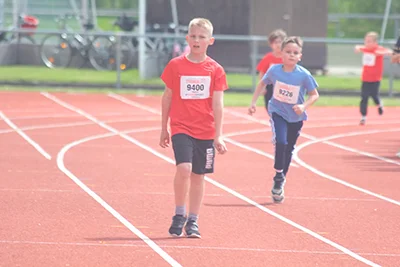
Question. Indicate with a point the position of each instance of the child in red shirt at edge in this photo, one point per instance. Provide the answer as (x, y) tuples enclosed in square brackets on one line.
[(275, 40), (193, 101), (372, 71)]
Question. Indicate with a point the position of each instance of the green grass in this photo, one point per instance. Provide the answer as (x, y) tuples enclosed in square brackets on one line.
[(73, 76), (231, 99)]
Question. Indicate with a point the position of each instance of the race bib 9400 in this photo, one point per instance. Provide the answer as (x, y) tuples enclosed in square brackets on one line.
[(195, 87), (286, 93)]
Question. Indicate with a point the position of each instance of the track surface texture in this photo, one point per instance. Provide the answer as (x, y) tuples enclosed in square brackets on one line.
[(84, 183)]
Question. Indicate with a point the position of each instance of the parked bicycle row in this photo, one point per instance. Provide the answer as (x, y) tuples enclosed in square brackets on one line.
[(58, 50)]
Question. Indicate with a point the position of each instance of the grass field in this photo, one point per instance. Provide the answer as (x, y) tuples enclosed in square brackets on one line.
[(43, 74)]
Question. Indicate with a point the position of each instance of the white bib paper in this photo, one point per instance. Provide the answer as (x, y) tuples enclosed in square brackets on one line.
[(195, 87), (286, 93), (368, 59)]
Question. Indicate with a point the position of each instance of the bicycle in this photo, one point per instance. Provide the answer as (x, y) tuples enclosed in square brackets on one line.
[(128, 47), (166, 48), (171, 47), (24, 22), (57, 50)]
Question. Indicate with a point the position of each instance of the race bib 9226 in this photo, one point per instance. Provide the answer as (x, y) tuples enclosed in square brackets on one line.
[(195, 87), (286, 93)]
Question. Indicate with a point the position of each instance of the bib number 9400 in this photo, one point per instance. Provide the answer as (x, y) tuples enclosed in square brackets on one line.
[(195, 87)]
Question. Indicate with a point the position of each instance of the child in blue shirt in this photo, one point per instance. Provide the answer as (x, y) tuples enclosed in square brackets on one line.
[(287, 107)]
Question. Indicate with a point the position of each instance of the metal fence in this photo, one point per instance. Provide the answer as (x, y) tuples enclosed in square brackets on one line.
[(341, 59)]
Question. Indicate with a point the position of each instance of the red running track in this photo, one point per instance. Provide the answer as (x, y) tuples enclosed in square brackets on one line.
[(105, 197)]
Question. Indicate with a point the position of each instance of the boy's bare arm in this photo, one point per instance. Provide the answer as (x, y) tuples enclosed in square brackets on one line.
[(218, 107), (384, 51), (165, 107), (257, 91), (260, 75), (312, 97), (359, 48)]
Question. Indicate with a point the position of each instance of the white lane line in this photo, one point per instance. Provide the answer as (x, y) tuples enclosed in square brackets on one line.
[(229, 140), (118, 216), (25, 136), (59, 115), (72, 124), (61, 166), (134, 104), (324, 140), (329, 177), (343, 147), (242, 197), (252, 149), (103, 244), (44, 190)]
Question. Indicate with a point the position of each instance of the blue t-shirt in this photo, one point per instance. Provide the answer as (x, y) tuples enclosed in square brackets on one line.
[(290, 89)]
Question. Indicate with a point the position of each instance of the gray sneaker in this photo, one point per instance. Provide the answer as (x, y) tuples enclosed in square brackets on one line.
[(192, 229), (178, 222), (278, 193)]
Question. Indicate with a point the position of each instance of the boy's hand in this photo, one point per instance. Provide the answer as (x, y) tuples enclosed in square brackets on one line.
[(252, 109), (299, 109), (395, 58), (219, 144), (164, 139)]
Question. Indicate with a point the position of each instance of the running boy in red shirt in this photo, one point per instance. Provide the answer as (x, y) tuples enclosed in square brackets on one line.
[(193, 101), (275, 39), (372, 71)]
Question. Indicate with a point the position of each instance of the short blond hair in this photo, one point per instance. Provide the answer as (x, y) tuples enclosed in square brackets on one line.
[(203, 23), (292, 40), (374, 35)]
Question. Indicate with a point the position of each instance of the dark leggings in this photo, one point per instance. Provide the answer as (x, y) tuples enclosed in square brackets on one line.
[(369, 89), (285, 135)]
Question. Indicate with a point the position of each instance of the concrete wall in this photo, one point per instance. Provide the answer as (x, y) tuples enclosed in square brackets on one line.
[(306, 18)]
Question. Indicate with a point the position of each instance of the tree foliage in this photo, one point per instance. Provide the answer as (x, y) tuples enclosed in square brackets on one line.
[(355, 27)]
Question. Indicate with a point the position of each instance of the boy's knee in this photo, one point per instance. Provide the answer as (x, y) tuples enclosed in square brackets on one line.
[(184, 169), (281, 146)]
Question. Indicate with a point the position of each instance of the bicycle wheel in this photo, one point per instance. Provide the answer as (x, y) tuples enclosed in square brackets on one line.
[(100, 53), (25, 45), (23, 39), (56, 51), (163, 57), (127, 55)]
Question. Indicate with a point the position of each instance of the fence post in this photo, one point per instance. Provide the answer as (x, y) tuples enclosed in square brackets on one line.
[(2, 12), (118, 61), (391, 77), (254, 56)]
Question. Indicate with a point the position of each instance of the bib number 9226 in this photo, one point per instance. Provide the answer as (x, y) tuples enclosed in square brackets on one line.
[(285, 93)]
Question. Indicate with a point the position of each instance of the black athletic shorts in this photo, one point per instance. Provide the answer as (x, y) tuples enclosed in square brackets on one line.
[(200, 153), (268, 94)]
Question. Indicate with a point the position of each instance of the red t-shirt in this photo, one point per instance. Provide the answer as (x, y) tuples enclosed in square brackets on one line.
[(267, 61), (193, 85), (372, 65)]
